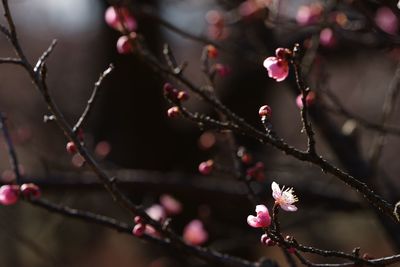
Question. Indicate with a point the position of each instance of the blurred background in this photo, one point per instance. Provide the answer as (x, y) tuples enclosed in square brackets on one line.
[(350, 61)]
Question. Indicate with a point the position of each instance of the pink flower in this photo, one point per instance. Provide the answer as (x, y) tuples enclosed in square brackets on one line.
[(284, 197), (277, 68), (156, 212), (119, 18), (9, 194), (170, 204), (386, 20), (262, 219), (194, 233)]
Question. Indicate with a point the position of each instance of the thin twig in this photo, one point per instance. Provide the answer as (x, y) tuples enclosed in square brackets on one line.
[(304, 90), (238, 125), (92, 99), (42, 60), (10, 60), (11, 150)]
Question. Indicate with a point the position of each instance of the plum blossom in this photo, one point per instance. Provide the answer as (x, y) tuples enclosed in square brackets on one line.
[(157, 212), (277, 68), (284, 197), (263, 219), (194, 233)]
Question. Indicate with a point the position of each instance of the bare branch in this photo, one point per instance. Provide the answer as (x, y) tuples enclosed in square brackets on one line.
[(10, 60), (92, 98)]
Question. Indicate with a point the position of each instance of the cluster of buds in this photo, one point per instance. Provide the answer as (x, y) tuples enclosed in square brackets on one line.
[(9, 194), (121, 19), (168, 206), (174, 95)]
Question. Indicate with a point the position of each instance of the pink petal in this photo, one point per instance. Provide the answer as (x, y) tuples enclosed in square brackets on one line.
[(289, 207), (253, 221), (261, 209), (156, 212), (276, 191)]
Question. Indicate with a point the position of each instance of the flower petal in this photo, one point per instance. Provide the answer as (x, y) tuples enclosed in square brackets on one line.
[(261, 208), (276, 191), (253, 221), (289, 207)]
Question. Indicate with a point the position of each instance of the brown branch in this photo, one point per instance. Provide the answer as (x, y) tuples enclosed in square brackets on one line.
[(92, 99), (10, 60)]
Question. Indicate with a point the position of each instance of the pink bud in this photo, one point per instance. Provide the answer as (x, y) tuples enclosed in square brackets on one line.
[(387, 20), (278, 69), (327, 37), (267, 241), (222, 70), (310, 99), (168, 88), (206, 167), (138, 220), (264, 238), (194, 233), (170, 204), (265, 111), (30, 190), (173, 112), (139, 229), (120, 19), (212, 51), (291, 250), (182, 96), (124, 45), (9, 194), (71, 148)]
